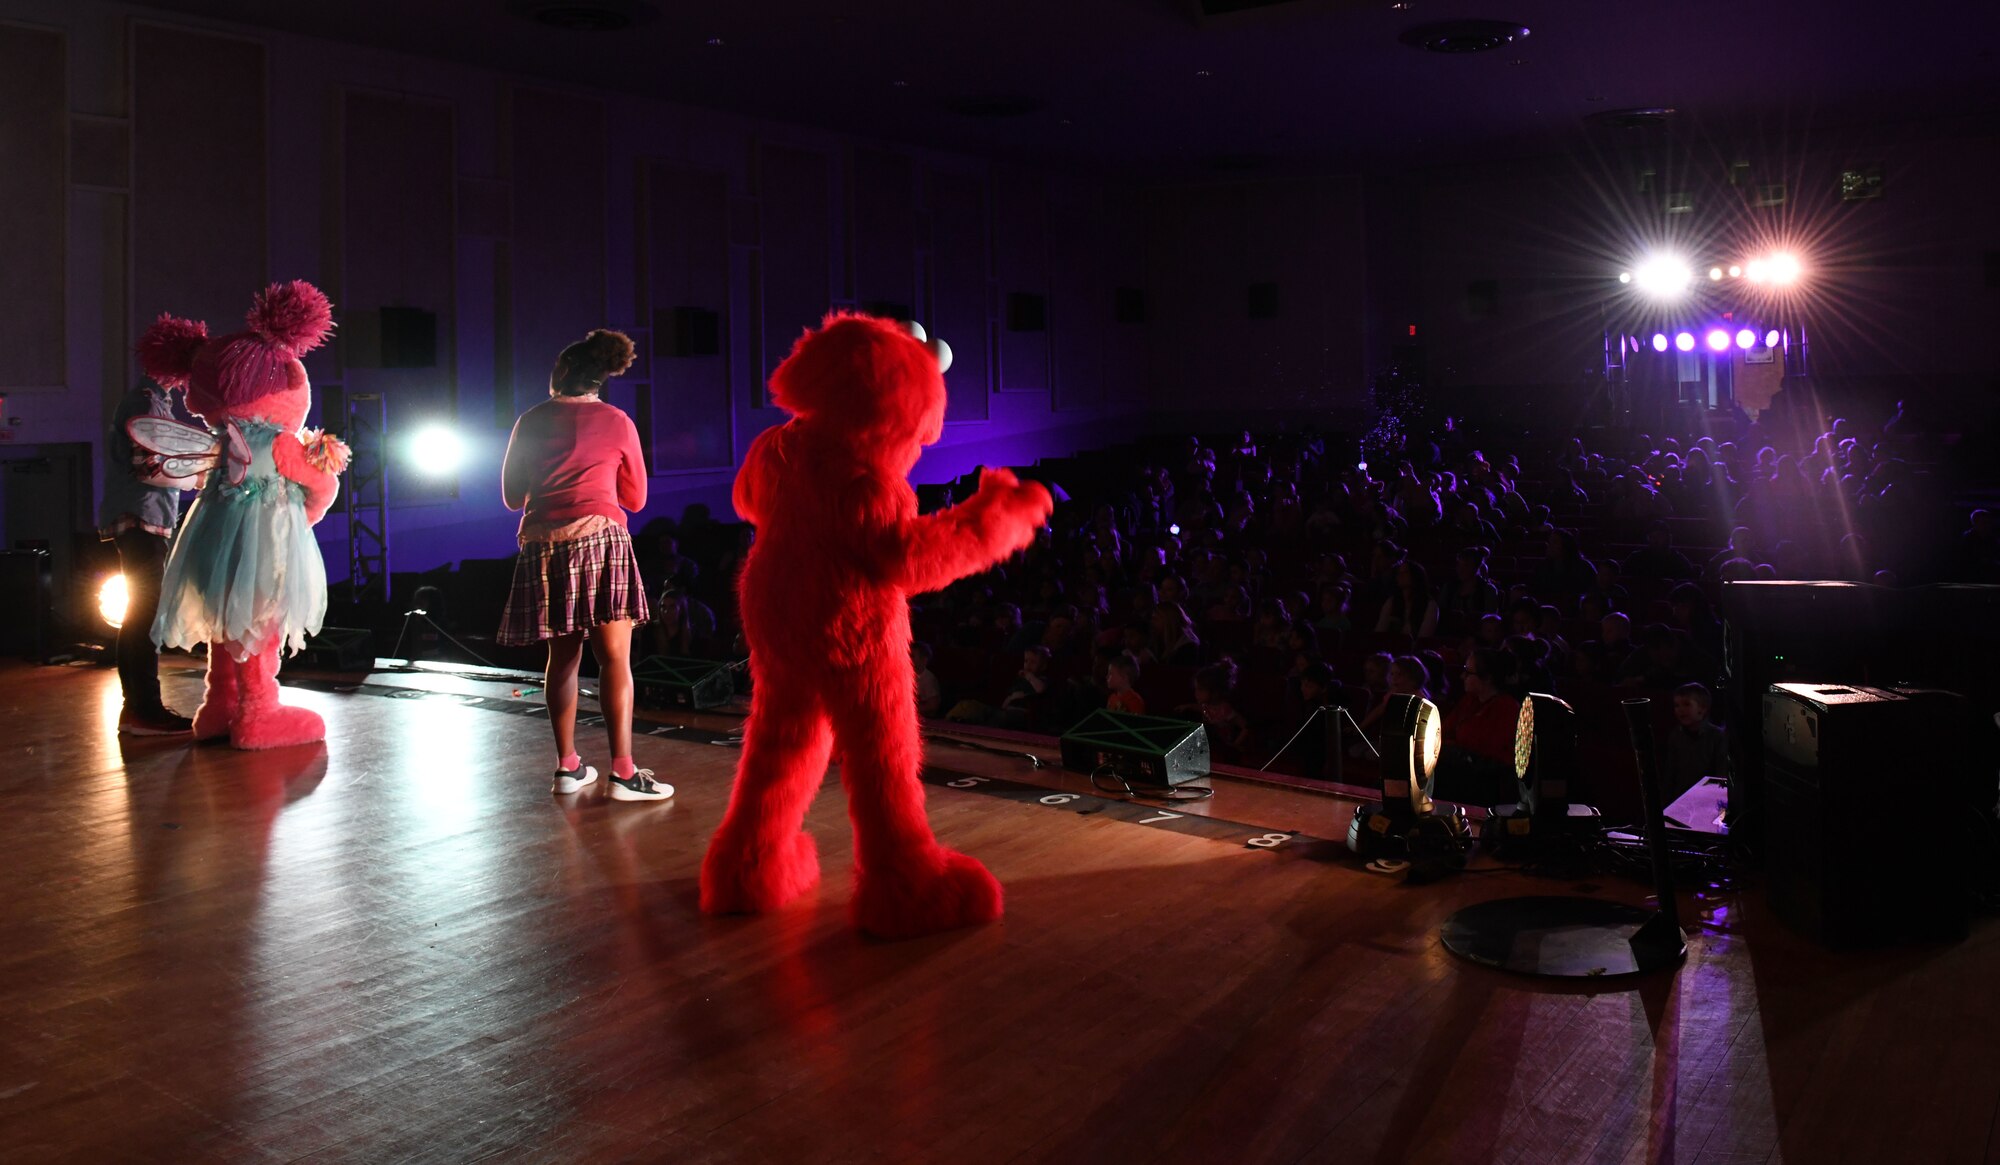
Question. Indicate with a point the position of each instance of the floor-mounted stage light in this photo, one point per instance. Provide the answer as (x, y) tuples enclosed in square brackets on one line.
[(1407, 823), (1659, 341), (112, 600), (1545, 769), (1718, 340), (1771, 338), (1746, 339)]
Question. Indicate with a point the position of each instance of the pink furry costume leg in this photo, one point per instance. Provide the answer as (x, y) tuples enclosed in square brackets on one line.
[(825, 602)]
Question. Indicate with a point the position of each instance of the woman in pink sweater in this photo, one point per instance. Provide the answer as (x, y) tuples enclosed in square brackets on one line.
[(574, 468)]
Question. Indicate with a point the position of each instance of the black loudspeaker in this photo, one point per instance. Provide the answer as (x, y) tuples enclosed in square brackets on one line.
[(1143, 750), (1027, 312), (1128, 305), (409, 338), (27, 595), (1857, 845), (1262, 301), (687, 331), (664, 681), (339, 649)]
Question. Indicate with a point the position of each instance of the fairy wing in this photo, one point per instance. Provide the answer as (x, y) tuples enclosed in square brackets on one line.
[(177, 453)]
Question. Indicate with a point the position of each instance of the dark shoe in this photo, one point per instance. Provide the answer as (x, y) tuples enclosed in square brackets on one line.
[(154, 722)]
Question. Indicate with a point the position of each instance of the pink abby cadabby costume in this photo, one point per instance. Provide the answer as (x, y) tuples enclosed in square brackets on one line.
[(245, 575)]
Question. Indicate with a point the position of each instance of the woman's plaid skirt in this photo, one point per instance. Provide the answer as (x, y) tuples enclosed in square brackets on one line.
[(564, 587)]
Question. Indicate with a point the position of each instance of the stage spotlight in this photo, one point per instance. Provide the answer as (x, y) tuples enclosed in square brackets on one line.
[(1771, 338), (112, 598), (1746, 339), (1663, 277), (1735, 272), (436, 451), (1715, 272), (1684, 341), (1624, 277), (1545, 765), (1756, 271), (1718, 340), (1407, 822), (1783, 268), (1659, 341), (1175, 530)]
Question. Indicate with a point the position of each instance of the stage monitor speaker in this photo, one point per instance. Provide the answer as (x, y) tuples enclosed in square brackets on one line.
[(1856, 839), (409, 337), (1027, 312), (687, 331), (1143, 750), (665, 681), (339, 649), (27, 595)]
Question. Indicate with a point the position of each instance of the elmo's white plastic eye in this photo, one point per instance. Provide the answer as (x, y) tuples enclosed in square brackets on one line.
[(943, 351), (916, 329)]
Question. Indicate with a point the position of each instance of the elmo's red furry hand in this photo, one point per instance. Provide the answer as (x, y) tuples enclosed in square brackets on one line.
[(825, 600)]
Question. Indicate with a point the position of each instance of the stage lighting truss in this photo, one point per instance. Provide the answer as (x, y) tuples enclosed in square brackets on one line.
[(1665, 277)]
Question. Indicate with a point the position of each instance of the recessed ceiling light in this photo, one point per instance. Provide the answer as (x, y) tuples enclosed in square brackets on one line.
[(1203, 73), (1400, 6), (715, 42), (900, 84)]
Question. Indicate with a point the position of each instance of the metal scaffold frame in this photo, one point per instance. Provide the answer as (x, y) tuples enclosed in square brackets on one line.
[(367, 499)]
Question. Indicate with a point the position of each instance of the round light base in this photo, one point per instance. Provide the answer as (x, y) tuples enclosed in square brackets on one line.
[(1564, 937)]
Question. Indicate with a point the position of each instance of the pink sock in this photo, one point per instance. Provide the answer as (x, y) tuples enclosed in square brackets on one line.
[(570, 763), (623, 768)]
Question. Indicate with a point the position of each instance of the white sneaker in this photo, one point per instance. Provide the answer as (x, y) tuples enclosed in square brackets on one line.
[(570, 780), (640, 786)]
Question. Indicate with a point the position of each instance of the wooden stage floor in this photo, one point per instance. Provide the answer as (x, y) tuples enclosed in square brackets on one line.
[(400, 947)]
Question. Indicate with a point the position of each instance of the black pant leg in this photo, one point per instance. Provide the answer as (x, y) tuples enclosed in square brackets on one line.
[(142, 557)]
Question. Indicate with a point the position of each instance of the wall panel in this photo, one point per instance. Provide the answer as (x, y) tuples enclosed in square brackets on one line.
[(960, 291), (33, 131), (555, 273), (796, 228), (198, 175), (398, 252), (685, 264)]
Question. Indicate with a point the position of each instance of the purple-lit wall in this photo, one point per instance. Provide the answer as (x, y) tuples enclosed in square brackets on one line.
[(203, 160)]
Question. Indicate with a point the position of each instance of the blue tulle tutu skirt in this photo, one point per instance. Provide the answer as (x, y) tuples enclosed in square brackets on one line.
[(245, 568)]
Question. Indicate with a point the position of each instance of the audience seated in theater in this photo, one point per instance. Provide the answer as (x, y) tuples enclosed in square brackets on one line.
[(1695, 747), (1563, 571), (1657, 558), (930, 694), (1214, 693), (1409, 607), (1122, 678)]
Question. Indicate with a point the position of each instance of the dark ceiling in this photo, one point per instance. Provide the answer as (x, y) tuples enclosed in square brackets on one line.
[(1152, 86)]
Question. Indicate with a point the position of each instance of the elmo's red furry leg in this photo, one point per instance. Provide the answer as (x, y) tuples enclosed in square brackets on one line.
[(218, 700), (906, 884), (760, 858), (261, 720)]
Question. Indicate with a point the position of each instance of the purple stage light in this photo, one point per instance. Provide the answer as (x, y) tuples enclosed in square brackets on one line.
[(1718, 340), (1659, 341), (1746, 339), (1771, 338), (1684, 341)]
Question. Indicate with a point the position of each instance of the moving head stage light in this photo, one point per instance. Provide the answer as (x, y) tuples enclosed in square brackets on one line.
[(1407, 823), (1544, 770)]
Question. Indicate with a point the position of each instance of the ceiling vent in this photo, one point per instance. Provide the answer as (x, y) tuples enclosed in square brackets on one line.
[(1630, 119), (584, 15), (1464, 36), (994, 105)]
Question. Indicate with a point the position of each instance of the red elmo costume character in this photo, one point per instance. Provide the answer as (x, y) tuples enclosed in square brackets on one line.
[(825, 601)]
